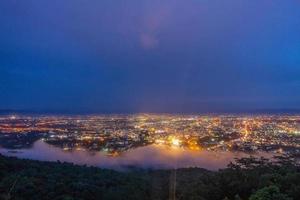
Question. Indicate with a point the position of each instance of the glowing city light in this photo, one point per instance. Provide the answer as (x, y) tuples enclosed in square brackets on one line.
[(13, 117), (175, 142)]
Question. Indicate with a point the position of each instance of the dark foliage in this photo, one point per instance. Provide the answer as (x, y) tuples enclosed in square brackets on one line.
[(247, 178)]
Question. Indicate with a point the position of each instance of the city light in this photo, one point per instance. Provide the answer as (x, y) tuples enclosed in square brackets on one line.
[(175, 142), (117, 134)]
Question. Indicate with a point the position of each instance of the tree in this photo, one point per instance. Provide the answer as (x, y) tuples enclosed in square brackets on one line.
[(269, 193)]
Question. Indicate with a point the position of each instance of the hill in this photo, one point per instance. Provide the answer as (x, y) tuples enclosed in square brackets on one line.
[(247, 178)]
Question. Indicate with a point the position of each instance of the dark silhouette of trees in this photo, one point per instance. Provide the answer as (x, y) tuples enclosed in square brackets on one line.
[(269, 193), (246, 178)]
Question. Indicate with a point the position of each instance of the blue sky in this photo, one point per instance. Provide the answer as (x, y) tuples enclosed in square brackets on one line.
[(149, 55)]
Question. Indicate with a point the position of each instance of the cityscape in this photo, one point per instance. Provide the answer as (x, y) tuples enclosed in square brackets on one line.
[(150, 100), (115, 134)]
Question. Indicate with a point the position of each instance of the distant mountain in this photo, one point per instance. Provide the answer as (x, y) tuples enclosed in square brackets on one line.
[(10, 111), (76, 112)]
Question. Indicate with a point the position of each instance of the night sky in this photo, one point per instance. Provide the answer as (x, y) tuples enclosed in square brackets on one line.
[(149, 55)]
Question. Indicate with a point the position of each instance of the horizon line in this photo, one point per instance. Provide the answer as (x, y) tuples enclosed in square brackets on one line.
[(88, 112)]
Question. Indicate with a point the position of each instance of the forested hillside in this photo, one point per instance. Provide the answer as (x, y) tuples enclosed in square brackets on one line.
[(248, 178)]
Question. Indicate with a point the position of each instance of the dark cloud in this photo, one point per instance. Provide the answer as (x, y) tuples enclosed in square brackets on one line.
[(149, 55)]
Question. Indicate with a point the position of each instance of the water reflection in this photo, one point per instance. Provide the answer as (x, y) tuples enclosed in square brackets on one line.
[(152, 156)]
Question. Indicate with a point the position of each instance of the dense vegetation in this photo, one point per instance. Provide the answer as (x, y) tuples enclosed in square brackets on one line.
[(248, 178)]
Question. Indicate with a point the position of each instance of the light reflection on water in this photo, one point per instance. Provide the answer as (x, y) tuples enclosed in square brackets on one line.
[(152, 156)]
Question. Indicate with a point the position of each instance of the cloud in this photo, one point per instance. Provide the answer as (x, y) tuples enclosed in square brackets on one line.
[(155, 19), (148, 41)]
